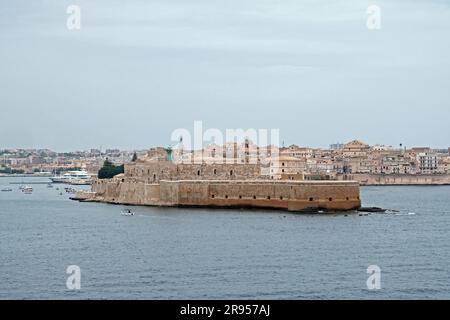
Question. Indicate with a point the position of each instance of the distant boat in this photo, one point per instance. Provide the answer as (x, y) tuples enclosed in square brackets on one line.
[(27, 190), (70, 190), (127, 212), (79, 177), (7, 190), (49, 185)]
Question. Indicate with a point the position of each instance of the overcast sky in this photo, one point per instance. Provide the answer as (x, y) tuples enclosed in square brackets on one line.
[(137, 70)]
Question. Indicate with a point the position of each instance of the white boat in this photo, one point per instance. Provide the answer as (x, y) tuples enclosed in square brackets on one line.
[(7, 190), (73, 177), (70, 190), (127, 212), (27, 190)]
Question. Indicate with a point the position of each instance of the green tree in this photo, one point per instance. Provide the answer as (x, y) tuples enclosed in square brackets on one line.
[(109, 170)]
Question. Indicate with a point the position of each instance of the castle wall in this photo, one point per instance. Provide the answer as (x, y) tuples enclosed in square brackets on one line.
[(288, 195), (155, 171)]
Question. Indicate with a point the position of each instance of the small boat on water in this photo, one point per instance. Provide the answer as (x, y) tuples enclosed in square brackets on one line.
[(7, 190), (49, 185), (70, 190), (27, 190), (127, 212)]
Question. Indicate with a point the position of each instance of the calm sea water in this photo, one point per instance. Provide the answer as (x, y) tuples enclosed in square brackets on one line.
[(167, 253)]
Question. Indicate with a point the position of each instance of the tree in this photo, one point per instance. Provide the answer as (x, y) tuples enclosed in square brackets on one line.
[(109, 170)]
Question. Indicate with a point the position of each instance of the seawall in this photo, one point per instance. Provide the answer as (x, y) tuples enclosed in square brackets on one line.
[(397, 179), (285, 195)]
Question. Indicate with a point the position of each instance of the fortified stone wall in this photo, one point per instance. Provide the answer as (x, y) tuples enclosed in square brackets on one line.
[(155, 171), (289, 195)]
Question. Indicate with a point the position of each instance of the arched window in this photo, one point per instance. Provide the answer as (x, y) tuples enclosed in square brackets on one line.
[(231, 172)]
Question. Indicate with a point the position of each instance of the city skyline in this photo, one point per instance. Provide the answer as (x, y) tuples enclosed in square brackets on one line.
[(283, 144)]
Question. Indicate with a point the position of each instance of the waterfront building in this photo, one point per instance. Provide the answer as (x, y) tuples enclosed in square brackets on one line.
[(428, 162)]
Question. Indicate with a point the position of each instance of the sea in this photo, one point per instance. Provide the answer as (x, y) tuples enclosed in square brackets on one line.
[(52, 247)]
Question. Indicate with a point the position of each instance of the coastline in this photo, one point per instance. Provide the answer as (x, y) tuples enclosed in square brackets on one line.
[(366, 179)]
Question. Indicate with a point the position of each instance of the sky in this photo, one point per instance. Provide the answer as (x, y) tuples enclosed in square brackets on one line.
[(139, 69)]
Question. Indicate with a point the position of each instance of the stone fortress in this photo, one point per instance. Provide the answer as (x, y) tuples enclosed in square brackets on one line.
[(158, 180)]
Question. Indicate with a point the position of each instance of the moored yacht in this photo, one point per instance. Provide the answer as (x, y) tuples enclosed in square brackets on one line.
[(73, 177)]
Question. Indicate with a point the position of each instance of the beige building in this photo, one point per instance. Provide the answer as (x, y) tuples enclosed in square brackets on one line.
[(287, 168), (355, 148)]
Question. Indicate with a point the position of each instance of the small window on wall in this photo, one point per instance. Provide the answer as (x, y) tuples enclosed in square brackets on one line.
[(198, 172), (215, 171), (231, 172)]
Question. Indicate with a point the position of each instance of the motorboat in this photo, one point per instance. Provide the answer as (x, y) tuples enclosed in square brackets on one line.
[(70, 190), (7, 190), (27, 190), (127, 212)]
